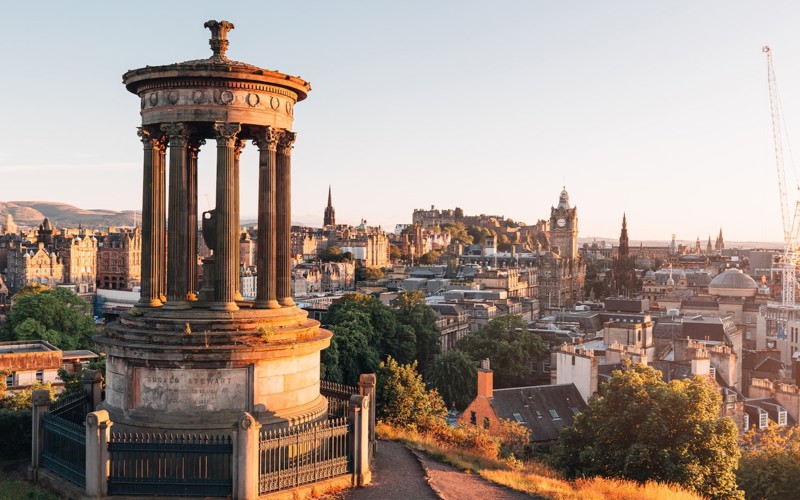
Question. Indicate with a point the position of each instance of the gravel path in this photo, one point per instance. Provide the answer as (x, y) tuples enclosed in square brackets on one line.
[(402, 474), (397, 475), (453, 484)]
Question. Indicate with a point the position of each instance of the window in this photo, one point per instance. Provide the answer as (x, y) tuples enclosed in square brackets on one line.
[(575, 411), (473, 418), (782, 419), (40, 376), (485, 422), (573, 360), (10, 380), (746, 422), (518, 417), (538, 414), (554, 414), (762, 419)]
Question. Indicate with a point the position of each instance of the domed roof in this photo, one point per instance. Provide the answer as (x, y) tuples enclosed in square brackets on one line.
[(733, 282), (733, 278)]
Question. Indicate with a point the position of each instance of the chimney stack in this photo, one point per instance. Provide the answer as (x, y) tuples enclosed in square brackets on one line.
[(485, 380)]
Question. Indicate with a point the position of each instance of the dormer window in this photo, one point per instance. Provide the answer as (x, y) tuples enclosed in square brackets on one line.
[(763, 419), (782, 418)]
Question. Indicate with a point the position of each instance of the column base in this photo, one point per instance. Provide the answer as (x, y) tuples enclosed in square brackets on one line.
[(286, 302), (191, 297), (177, 305), (267, 304), (237, 296), (143, 302), (224, 306)]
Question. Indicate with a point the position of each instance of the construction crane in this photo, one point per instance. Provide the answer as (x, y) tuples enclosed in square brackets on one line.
[(787, 265)]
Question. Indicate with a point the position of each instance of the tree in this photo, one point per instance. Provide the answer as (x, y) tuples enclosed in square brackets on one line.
[(645, 429), (454, 375), (458, 233), (429, 258), (364, 332), (412, 311), (770, 465), (506, 341), (402, 398), (395, 253), (56, 315), (478, 233), (333, 254)]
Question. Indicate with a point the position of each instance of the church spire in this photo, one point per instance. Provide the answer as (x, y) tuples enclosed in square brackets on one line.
[(330, 215)]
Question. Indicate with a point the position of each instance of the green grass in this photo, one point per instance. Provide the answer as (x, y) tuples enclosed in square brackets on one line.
[(20, 490)]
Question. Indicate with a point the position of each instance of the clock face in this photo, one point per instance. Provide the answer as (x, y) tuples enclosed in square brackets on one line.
[(561, 222)]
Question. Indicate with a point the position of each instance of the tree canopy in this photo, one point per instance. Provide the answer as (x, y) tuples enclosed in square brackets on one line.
[(454, 374), (56, 315), (402, 398), (770, 465), (412, 311), (645, 429), (506, 341)]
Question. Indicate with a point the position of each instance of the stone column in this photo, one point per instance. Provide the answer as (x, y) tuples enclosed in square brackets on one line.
[(177, 237), (284, 231), (358, 415), (237, 153), (247, 460), (98, 434), (161, 223), (152, 217), (226, 253), (41, 405), (266, 292), (191, 261), (366, 387), (93, 388)]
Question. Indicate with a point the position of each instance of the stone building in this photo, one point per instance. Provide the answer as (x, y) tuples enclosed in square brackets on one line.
[(119, 259), (544, 409), (562, 271), (79, 255), (369, 245), (32, 265)]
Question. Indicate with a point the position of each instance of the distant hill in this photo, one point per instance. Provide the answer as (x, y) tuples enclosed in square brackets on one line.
[(32, 213)]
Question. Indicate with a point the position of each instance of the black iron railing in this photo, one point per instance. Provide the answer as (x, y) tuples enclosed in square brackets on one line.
[(305, 454), (170, 464), (64, 448), (338, 397)]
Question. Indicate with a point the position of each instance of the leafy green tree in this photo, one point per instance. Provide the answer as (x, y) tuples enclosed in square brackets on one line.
[(429, 258), (478, 233), (506, 341), (454, 375), (355, 341), (412, 311), (770, 465), (56, 315), (395, 253), (645, 429), (402, 398), (458, 233), (334, 254), (365, 331)]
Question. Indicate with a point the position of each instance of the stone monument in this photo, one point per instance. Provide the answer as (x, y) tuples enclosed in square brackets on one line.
[(192, 356)]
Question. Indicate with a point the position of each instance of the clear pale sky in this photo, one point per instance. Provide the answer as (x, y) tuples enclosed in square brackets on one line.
[(656, 109)]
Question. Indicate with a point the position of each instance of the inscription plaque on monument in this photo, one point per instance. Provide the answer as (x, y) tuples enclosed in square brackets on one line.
[(191, 389)]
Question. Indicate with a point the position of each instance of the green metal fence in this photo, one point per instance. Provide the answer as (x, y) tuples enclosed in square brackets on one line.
[(170, 464), (305, 454), (338, 397), (64, 448)]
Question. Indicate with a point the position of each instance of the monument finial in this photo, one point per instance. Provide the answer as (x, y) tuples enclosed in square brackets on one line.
[(219, 38)]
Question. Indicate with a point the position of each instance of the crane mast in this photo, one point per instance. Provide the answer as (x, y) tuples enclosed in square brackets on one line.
[(787, 265)]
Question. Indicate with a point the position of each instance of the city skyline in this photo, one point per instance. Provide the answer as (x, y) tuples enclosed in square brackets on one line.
[(660, 112)]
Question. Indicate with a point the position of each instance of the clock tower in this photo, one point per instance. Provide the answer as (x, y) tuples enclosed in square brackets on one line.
[(564, 227)]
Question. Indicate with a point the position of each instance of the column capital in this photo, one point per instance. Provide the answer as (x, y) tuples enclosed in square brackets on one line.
[(266, 138), (151, 139), (238, 146), (225, 133), (177, 133), (194, 146), (286, 142)]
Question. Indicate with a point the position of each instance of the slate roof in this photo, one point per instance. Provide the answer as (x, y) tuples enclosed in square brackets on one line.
[(535, 406)]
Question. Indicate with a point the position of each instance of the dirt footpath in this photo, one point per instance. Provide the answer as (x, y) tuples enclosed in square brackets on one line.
[(402, 474)]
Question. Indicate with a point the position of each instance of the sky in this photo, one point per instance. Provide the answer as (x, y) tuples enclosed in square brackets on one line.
[(659, 110)]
